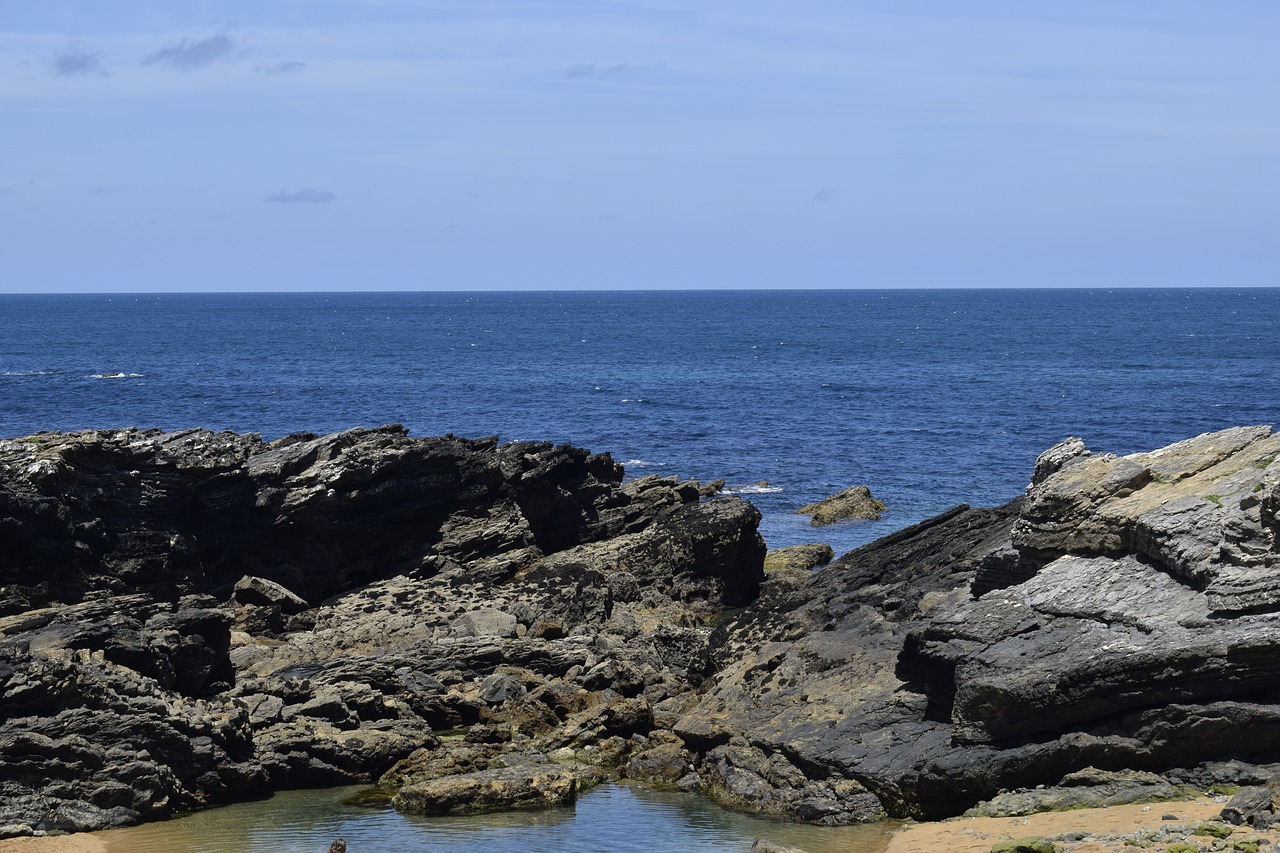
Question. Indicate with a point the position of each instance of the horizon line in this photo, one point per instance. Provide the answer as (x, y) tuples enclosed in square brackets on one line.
[(907, 288)]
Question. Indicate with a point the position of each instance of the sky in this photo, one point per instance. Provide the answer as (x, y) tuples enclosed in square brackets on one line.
[(277, 145)]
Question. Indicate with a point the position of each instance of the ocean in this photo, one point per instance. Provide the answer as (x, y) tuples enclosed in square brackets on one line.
[(930, 398)]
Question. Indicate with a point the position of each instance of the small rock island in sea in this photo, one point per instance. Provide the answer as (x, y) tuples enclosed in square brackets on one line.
[(192, 618)]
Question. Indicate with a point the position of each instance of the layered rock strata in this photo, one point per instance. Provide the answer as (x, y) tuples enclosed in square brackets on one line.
[(191, 618), (1123, 614)]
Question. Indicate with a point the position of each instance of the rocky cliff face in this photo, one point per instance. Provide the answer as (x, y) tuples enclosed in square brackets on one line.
[(1123, 614), (190, 618)]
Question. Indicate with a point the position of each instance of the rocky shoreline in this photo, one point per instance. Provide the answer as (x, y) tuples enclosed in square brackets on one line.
[(192, 618)]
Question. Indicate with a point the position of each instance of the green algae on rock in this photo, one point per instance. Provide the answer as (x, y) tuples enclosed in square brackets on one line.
[(497, 789), (854, 502), (798, 557)]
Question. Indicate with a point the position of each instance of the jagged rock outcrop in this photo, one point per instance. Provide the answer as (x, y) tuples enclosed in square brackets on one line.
[(190, 618), (1124, 614), (194, 511), (854, 502)]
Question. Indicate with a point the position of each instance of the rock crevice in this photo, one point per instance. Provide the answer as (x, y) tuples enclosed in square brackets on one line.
[(1120, 615), (192, 618)]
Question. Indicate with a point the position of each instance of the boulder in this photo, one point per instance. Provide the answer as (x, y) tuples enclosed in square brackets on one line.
[(260, 591), (764, 845), (798, 558), (521, 787), (1253, 805), (854, 502), (666, 762)]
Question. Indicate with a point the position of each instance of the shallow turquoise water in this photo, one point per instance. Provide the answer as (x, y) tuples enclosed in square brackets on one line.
[(616, 817)]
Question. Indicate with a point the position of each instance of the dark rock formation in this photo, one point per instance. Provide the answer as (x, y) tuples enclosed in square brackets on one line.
[(854, 502), (193, 511), (1124, 614), (192, 618)]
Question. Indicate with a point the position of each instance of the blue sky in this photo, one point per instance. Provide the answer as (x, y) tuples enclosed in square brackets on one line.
[(152, 145)]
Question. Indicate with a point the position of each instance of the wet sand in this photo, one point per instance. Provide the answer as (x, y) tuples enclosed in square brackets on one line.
[(79, 843), (977, 835)]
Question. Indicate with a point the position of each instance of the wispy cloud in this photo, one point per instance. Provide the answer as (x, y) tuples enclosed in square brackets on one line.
[(302, 196), (105, 190), (190, 54), (284, 66), (824, 195), (78, 62), (594, 69)]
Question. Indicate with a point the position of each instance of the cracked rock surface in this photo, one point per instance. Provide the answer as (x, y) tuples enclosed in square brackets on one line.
[(189, 618), (1123, 615)]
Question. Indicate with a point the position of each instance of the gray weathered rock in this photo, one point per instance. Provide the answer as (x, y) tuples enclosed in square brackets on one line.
[(485, 622), (1124, 614), (251, 590), (520, 591), (1122, 619), (1252, 806), (1085, 789)]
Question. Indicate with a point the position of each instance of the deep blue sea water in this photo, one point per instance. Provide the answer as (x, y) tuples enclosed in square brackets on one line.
[(931, 398)]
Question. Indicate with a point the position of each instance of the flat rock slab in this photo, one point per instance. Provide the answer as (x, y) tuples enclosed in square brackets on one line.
[(499, 789)]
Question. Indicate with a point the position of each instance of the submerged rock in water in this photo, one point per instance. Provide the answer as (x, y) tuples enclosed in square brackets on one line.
[(854, 502), (763, 845), (496, 789)]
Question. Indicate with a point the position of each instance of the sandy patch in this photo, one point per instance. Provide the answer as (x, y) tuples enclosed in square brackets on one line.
[(976, 835), (80, 843)]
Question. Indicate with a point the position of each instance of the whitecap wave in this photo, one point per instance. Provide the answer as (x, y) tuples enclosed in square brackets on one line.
[(114, 375), (641, 463), (33, 372), (755, 489)]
